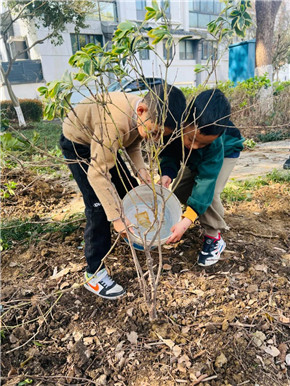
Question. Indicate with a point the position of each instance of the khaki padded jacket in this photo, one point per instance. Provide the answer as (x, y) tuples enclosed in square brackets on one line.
[(106, 128)]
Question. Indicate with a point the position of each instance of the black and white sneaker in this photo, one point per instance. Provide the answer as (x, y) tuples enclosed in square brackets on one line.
[(103, 285), (287, 164), (211, 251)]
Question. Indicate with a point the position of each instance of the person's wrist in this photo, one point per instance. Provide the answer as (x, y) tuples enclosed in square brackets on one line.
[(186, 222)]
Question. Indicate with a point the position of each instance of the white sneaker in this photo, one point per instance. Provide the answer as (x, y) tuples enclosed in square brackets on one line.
[(103, 285), (211, 251)]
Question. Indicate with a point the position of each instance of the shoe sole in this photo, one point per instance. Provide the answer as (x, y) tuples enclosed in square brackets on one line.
[(208, 265), (102, 296)]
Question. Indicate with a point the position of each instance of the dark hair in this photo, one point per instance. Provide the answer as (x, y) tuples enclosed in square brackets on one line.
[(169, 110), (210, 111)]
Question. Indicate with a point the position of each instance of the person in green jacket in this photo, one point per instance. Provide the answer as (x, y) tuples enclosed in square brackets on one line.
[(209, 146)]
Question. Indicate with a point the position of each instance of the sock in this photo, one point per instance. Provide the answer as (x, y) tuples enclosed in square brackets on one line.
[(92, 274), (212, 235)]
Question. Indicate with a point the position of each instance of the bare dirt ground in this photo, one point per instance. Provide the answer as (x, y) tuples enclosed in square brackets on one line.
[(226, 325)]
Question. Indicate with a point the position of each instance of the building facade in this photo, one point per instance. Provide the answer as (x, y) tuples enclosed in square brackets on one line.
[(46, 62)]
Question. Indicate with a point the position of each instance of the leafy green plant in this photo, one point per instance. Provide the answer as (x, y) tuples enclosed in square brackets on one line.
[(280, 86), (26, 381), (8, 190), (4, 124), (50, 163), (253, 85), (250, 143), (2, 334), (233, 20), (10, 142)]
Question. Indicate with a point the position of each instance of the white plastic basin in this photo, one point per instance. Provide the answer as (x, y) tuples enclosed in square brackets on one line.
[(140, 200)]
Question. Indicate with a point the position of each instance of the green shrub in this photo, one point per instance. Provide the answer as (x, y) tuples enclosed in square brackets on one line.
[(4, 123), (246, 111), (31, 108), (280, 86), (273, 135)]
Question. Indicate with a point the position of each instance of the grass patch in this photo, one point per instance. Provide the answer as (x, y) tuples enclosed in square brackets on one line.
[(26, 230), (49, 133), (38, 150), (242, 190)]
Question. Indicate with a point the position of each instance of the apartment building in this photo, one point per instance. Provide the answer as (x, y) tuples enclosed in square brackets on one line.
[(46, 62)]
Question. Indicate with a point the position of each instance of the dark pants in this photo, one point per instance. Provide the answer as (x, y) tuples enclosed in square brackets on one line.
[(97, 233)]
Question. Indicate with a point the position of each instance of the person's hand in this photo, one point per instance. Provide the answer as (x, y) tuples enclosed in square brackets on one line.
[(165, 181), (144, 176), (178, 230), (119, 226)]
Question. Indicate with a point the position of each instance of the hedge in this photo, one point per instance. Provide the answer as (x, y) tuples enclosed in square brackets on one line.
[(246, 111), (31, 108)]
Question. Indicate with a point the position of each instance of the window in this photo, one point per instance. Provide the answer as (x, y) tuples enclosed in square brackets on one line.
[(140, 8), (203, 20), (80, 40), (24, 71), (108, 11), (206, 6), (18, 46), (104, 11), (194, 5), (188, 49), (201, 12), (167, 52), (207, 50), (144, 54)]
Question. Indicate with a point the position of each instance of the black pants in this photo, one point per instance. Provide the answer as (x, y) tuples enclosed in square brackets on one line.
[(97, 232)]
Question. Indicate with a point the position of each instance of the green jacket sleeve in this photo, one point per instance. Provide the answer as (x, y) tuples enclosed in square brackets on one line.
[(207, 172)]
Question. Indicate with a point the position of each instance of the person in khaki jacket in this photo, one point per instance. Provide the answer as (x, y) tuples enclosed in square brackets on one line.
[(93, 134)]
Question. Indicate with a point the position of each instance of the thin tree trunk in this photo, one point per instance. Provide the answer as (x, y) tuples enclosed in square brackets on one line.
[(15, 102), (13, 97), (266, 12)]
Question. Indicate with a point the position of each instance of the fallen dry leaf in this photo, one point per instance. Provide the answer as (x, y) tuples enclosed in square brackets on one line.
[(283, 319), (176, 351), (261, 267), (110, 330), (168, 342), (132, 337), (272, 350), (61, 273)]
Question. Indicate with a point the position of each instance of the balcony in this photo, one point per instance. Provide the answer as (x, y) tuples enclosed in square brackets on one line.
[(24, 71)]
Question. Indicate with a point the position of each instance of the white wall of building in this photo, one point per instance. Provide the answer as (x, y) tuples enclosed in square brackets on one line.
[(54, 59)]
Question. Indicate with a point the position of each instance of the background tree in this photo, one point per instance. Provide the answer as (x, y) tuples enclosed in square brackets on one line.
[(54, 16), (281, 46), (266, 12)]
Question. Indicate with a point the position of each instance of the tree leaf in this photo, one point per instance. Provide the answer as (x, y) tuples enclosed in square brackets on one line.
[(132, 337)]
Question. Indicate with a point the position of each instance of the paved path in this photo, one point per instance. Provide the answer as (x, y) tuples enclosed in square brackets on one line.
[(262, 159)]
